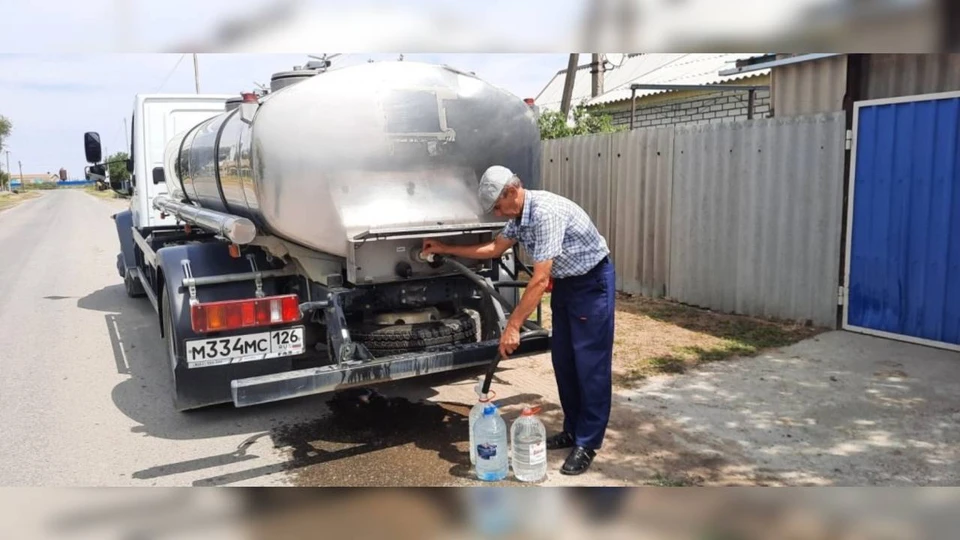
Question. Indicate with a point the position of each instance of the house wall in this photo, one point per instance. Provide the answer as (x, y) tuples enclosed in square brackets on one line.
[(693, 108), (810, 87), (820, 85), (896, 75)]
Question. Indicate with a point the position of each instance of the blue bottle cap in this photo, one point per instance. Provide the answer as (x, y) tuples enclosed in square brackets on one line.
[(489, 409)]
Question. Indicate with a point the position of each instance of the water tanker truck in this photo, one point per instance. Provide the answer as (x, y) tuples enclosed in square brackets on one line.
[(277, 234)]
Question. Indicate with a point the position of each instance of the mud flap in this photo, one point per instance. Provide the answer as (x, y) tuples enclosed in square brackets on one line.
[(202, 386)]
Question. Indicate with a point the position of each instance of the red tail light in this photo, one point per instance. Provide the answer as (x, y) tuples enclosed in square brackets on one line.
[(236, 314)]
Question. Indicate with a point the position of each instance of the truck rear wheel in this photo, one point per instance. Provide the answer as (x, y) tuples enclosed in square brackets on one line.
[(133, 286)]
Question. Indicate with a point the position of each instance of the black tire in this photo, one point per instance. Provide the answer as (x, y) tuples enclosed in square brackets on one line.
[(170, 338), (133, 286), (401, 338)]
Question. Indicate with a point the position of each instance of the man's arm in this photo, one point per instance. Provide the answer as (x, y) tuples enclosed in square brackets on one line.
[(487, 250), (549, 234), (532, 294)]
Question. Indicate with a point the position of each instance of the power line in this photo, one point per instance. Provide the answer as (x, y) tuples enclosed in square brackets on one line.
[(171, 73)]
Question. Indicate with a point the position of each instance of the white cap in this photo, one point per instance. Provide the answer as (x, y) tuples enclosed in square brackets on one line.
[(491, 186)]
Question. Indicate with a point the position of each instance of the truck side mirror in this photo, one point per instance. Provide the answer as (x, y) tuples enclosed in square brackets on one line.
[(91, 147), (158, 177)]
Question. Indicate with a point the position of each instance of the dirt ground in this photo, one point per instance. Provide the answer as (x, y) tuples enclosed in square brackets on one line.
[(835, 409), (8, 199), (656, 336), (417, 436)]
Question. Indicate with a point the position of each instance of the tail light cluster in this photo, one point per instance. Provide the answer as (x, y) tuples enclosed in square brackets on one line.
[(237, 314)]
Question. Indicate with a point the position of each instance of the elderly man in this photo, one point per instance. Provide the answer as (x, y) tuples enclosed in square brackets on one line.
[(566, 246)]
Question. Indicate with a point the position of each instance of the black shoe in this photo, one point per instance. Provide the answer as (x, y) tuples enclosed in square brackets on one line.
[(560, 440), (578, 461)]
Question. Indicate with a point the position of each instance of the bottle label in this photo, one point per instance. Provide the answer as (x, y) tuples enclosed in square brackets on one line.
[(538, 453), (486, 451)]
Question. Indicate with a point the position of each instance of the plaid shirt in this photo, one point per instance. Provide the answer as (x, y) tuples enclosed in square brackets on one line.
[(552, 227)]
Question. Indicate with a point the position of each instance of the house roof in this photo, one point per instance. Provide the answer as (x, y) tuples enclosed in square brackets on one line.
[(644, 69)]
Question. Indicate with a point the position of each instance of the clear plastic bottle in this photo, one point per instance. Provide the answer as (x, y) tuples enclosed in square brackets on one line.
[(528, 445), (475, 413), (490, 438)]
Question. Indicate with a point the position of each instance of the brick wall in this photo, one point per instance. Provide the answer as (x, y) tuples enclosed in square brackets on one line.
[(703, 109)]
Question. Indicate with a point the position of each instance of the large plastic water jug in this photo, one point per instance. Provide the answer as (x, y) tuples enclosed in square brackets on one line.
[(528, 445), (490, 438), (475, 413)]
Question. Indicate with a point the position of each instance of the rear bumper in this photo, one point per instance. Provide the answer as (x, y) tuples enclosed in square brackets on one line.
[(305, 382)]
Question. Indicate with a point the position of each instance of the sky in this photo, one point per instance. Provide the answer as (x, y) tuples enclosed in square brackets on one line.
[(67, 67), (52, 99)]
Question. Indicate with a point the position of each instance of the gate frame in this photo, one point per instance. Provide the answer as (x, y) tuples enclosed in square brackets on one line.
[(850, 220)]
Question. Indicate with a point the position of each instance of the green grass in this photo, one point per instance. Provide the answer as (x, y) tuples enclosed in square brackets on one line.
[(670, 481), (656, 336), (105, 194)]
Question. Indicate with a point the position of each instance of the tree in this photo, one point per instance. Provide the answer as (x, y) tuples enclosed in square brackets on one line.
[(117, 166), (553, 124), (5, 128)]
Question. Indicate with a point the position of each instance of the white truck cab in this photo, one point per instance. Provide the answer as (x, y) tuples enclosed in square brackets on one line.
[(156, 119)]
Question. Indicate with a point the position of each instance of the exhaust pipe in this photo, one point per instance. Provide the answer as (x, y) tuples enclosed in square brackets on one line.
[(238, 230)]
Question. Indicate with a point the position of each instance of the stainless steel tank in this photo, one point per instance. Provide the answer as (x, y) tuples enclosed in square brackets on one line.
[(371, 147)]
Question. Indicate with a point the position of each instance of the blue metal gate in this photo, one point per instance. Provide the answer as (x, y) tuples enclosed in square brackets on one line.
[(903, 244)]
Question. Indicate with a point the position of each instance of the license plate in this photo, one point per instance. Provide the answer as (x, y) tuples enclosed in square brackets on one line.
[(245, 348)]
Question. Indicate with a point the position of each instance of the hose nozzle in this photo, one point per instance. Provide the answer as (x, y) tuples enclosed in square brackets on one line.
[(434, 260), (426, 257)]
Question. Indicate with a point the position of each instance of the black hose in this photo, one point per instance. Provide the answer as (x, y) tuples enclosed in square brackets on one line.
[(479, 281), (492, 368), (534, 330)]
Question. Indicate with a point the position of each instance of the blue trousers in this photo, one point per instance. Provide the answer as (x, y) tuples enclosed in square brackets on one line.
[(582, 349)]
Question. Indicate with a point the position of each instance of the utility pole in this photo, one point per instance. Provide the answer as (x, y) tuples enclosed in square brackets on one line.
[(20, 166), (597, 65), (568, 83), (9, 170), (196, 72)]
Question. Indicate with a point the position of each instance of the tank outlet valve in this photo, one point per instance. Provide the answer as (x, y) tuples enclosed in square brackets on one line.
[(425, 257), (434, 260)]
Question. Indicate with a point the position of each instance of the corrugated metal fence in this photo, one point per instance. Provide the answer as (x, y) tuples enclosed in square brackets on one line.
[(627, 175), (741, 217)]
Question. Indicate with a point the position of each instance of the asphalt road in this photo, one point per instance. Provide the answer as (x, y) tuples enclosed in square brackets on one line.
[(85, 389)]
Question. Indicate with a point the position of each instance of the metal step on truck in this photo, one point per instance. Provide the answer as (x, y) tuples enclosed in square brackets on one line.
[(277, 233)]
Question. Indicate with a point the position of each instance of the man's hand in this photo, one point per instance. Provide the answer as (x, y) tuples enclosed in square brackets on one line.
[(434, 247), (509, 341)]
